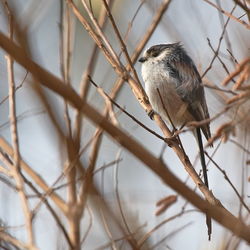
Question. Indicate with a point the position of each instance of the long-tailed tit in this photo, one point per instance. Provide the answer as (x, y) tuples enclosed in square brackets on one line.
[(174, 89)]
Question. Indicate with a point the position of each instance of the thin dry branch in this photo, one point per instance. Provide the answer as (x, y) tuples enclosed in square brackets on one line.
[(99, 32), (84, 84), (88, 177), (219, 44), (109, 106), (118, 67), (120, 40), (16, 88), (244, 6), (89, 226), (237, 71), (173, 233), (165, 221), (74, 156), (217, 55), (13, 241), (229, 181), (6, 148), (242, 96), (65, 60), (15, 166), (117, 194), (228, 14), (53, 212), (108, 51), (108, 231)]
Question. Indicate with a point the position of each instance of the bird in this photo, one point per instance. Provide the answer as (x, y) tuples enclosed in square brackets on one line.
[(175, 91)]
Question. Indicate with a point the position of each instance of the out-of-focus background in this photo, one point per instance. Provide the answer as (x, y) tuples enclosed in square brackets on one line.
[(56, 40)]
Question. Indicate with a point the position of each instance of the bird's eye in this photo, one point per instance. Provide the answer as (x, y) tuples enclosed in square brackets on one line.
[(155, 54)]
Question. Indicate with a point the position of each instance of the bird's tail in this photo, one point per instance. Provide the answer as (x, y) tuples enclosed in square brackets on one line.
[(204, 170)]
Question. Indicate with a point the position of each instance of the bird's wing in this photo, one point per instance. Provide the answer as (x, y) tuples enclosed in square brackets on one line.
[(190, 89)]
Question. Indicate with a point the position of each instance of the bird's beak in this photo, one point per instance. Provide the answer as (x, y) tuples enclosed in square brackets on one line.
[(142, 59)]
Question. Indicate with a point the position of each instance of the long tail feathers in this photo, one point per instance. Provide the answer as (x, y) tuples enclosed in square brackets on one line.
[(204, 169)]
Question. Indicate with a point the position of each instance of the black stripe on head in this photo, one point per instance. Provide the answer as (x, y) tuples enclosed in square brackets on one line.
[(155, 50)]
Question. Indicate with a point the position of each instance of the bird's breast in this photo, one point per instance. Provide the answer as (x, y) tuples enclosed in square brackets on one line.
[(165, 100)]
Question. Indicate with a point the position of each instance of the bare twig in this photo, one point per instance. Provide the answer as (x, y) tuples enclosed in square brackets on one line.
[(124, 111), (84, 84), (130, 235), (123, 46), (240, 146), (50, 208), (13, 241), (6, 148), (242, 96), (219, 44), (210, 85), (103, 42), (65, 59), (89, 226), (238, 70), (244, 6), (148, 234), (228, 14), (229, 181), (176, 231), (15, 169), (220, 60), (16, 88)]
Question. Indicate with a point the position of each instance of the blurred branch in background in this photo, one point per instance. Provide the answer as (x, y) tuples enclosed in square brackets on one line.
[(77, 198)]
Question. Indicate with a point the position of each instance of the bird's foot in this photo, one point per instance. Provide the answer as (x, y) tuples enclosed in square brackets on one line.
[(173, 139), (151, 114)]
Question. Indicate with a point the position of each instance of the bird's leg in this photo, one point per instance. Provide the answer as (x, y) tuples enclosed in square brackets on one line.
[(151, 114), (173, 138), (176, 132)]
